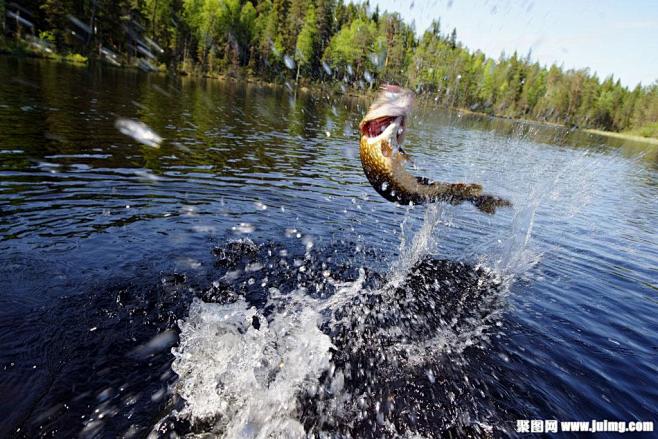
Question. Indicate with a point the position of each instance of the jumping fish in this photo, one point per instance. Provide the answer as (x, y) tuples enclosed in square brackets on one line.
[(383, 159)]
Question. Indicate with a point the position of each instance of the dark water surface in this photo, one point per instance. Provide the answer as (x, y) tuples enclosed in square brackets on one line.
[(243, 279)]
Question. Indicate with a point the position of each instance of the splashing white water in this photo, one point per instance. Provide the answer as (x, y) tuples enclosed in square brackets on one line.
[(246, 380), (422, 243), (560, 189)]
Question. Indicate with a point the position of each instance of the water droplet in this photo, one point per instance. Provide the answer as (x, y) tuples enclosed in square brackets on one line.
[(139, 131), (79, 23), (430, 376), (20, 19), (110, 56), (308, 242), (146, 66), (243, 228), (255, 266), (154, 45), (147, 175), (289, 62), (157, 344), (158, 395)]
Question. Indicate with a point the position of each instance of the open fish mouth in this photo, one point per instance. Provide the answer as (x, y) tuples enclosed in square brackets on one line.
[(387, 116), (386, 127)]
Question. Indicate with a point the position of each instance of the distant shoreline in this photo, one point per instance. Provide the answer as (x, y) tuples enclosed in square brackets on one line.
[(624, 136), (306, 86)]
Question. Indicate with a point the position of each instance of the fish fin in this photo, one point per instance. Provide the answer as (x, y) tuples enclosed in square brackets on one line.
[(472, 192), (465, 190), (405, 155), (387, 151), (454, 192), (488, 203)]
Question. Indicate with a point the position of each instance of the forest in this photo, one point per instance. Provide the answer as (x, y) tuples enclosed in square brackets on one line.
[(355, 45)]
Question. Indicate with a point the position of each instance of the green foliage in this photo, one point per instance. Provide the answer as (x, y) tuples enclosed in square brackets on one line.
[(75, 58), (306, 40), (348, 50), (650, 130), (361, 44), (47, 36)]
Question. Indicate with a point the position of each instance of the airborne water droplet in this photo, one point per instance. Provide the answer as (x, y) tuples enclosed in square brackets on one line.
[(139, 131), (290, 63), (243, 228)]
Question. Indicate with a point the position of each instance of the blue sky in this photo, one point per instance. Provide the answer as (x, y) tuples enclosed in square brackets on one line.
[(609, 36)]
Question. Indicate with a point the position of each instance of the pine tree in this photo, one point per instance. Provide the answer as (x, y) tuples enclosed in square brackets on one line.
[(306, 41)]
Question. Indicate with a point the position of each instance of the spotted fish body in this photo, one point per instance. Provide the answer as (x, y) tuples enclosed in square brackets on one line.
[(384, 162)]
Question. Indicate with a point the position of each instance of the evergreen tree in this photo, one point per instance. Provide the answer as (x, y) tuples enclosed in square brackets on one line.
[(306, 41), (358, 42)]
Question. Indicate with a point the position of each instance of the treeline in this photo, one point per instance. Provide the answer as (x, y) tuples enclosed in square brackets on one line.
[(329, 40)]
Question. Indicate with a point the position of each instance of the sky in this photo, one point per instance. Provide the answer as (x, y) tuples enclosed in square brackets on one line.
[(615, 37)]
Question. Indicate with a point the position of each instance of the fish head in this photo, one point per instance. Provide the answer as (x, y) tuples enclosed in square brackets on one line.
[(387, 116)]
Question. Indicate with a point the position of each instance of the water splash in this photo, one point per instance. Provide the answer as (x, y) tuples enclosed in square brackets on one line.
[(138, 131), (564, 187), (243, 373), (239, 367), (379, 343)]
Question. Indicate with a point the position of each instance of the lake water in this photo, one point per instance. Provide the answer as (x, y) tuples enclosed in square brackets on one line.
[(243, 279)]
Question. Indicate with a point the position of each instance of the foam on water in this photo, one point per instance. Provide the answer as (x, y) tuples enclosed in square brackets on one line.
[(242, 380)]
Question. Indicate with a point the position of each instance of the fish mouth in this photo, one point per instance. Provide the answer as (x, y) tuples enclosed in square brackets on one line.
[(390, 126), (387, 116)]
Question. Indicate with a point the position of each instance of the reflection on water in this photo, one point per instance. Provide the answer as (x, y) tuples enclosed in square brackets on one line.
[(323, 308)]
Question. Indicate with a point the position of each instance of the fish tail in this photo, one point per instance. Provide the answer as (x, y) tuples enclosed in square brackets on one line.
[(457, 193)]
